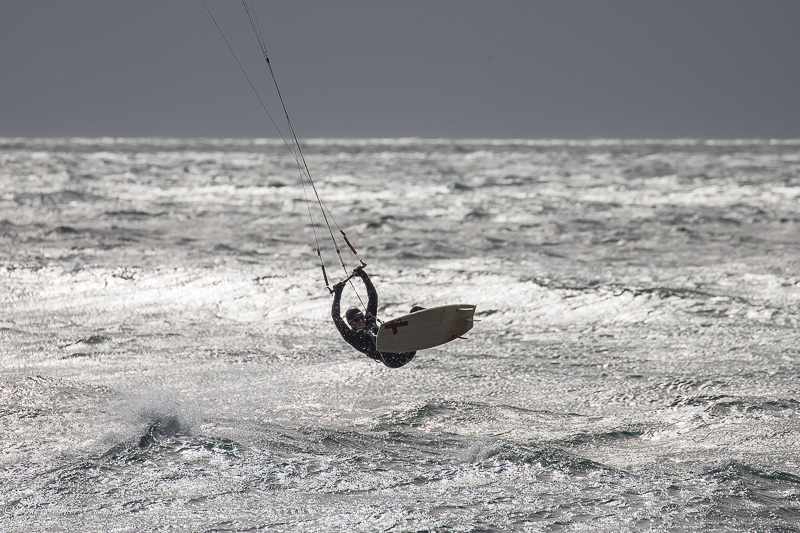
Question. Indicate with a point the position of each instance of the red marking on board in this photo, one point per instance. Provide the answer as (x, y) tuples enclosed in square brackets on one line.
[(394, 324)]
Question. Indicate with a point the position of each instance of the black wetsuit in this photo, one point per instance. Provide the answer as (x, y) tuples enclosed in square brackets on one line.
[(363, 339)]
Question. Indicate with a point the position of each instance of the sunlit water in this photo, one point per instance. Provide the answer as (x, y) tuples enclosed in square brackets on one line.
[(168, 360)]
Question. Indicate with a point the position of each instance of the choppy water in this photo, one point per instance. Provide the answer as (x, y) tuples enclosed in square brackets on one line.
[(168, 361)]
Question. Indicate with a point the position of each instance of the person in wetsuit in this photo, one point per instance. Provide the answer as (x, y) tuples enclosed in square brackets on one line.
[(362, 329)]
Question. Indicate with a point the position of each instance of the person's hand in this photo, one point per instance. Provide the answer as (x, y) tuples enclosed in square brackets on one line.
[(358, 271), (339, 286)]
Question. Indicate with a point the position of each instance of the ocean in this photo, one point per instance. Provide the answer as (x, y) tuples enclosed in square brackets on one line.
[(168, 360)]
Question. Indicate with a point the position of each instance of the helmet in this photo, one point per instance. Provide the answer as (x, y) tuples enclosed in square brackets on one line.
[(352, 313)]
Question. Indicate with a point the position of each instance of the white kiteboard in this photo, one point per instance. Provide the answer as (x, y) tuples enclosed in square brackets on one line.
[(425, 329)]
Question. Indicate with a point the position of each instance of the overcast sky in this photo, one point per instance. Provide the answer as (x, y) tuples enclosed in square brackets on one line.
[(428, 68)]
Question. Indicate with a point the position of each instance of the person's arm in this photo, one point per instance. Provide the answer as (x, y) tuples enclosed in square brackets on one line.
[(353, 338), (372, 294), (336, 313)]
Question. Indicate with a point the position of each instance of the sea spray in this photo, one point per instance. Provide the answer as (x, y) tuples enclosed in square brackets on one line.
[(157, 414)]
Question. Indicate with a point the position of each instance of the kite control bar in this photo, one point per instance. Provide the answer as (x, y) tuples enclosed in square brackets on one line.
[(348, 278)]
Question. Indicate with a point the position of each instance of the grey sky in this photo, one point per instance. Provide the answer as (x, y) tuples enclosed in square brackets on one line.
[(430, 68)]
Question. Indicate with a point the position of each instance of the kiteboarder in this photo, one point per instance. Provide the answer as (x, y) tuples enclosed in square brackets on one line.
[(363, 328)]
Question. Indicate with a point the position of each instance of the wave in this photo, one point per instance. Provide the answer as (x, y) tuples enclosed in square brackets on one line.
[(609, 437), (57, 198), (502, 454), (748, 495), (717, 408), (738, 471), (455, 414)]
